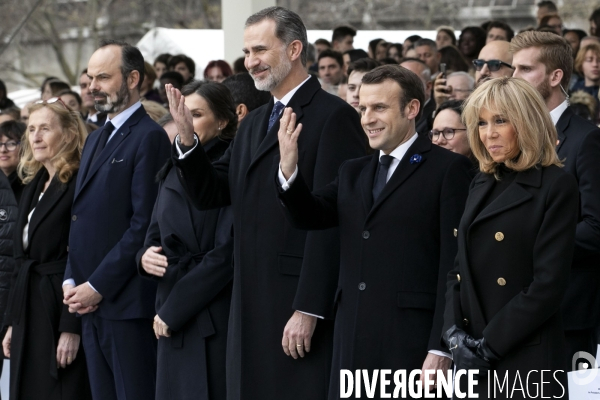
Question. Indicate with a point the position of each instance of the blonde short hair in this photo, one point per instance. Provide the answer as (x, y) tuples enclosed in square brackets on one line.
[(67, 159), (594, 47), (523, 107)]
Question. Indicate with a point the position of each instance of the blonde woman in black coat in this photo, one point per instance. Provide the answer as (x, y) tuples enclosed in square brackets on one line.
[(515, 245), (43, 338)]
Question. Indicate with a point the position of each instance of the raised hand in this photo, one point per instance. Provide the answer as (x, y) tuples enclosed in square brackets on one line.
[(288, 142), (181, 115)]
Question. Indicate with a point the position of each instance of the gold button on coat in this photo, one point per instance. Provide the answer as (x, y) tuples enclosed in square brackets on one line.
[(499, 236), (501, 281), (458, 277), (455, 232)]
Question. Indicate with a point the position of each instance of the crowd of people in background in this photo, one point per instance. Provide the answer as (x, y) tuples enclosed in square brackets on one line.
[(189, 229)]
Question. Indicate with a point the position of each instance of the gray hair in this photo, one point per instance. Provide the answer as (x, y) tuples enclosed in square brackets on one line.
[(469, 78), (426, 42), (288, 26)]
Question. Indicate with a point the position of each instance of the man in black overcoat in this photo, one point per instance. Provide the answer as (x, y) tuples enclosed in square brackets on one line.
[(545, 60), (284, 278), (397, 212)]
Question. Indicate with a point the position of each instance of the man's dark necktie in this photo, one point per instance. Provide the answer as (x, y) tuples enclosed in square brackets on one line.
[(381, 175), (104, 135), (275, 114)]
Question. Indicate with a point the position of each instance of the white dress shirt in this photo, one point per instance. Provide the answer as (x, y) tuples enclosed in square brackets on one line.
[(558, 111)]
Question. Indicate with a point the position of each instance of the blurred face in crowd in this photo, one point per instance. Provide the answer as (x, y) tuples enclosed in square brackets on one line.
[(205, 123), (468, 44), (393, 53), (592, 27), (541, 13), (184, 71), (71, 102), (346, 43), (556, 24), (87, 99), (45, 135), (591, 68), (9, 158), (161, 88), (25, 114), (429, 56), (496, 50), (266, 56), (381, 50), (574, 41), (496, 34), (442, 39), (460, 87), (160, 68), (528, 67), (354, 83), (330, 71), (445, 122), (385, 122), (498, 136), (109, 88), (47, 92), (215, 75)]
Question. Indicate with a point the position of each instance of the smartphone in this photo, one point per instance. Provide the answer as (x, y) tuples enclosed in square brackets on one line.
[(443, 70)]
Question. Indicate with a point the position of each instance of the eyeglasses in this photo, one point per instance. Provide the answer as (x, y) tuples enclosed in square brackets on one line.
[(493, 65), (10, 145), (53, 100), (447, 133)]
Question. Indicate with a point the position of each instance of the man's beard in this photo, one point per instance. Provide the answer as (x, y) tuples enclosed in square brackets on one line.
[(544, 88), (111, 106), (276, 75)]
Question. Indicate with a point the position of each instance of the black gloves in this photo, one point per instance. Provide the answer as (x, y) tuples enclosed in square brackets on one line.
[(467, 352)]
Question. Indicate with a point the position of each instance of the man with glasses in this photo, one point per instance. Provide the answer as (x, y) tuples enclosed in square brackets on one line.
[(495, 61), (545, 60)]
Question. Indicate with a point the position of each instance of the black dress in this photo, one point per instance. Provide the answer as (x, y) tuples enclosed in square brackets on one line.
[(194, 296), (35, 310)]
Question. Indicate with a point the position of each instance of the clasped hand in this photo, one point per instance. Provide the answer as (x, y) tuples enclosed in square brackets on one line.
[(468, 352), (81, 299), (288, 142)]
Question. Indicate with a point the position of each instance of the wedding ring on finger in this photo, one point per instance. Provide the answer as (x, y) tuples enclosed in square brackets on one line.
[(298, 345)]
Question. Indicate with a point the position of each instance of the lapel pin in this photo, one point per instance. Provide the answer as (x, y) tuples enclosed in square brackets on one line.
[(415, 159)]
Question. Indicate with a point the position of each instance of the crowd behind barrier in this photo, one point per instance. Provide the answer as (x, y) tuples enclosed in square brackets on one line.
[(308, 219)]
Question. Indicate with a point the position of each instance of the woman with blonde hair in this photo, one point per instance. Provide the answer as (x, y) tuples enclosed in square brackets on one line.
[(43, 338), (515, 245)]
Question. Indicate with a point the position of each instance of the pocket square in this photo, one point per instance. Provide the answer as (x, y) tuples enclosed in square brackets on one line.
[(114, 160)]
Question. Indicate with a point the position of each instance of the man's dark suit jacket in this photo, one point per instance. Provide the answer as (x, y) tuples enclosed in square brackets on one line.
[(277, 269), (396, 253), (114, 198), (579, 148)]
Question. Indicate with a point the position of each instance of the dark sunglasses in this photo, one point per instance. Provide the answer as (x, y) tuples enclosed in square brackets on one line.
[(447, 133), (493, 65)]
